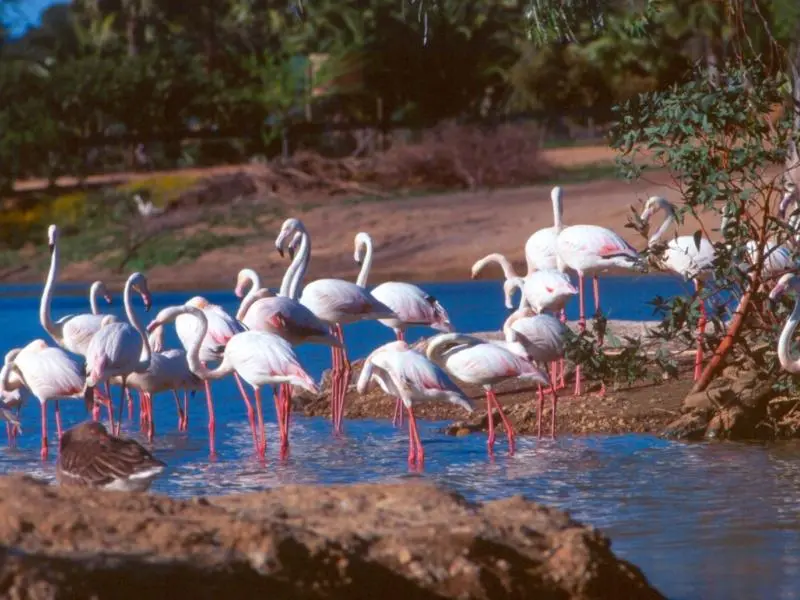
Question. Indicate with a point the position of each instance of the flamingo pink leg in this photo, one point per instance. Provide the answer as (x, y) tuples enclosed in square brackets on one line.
[(581, 329), (277, 396), (506, 423), (345, 380), (262, 441), (179, 409), (250, 415), (122, 395), (701, 328), (554, 406), (130, 405), (596, 284), (562, 383), (335, 360), (151, 425), (43, 452), (416, 452), (490, 414), (186, 410), (397, 419), (212, 423), (59, 430), (539, 408), (287, 412)]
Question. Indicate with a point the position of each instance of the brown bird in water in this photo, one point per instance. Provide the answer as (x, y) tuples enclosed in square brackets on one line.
[(90, 457)]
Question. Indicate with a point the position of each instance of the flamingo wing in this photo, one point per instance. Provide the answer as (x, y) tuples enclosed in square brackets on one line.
[(115, 349), (540, 249), (259, 357), (339, 301), (489, 363), (411, 304), (51, 373), (221, 325), (685, 258), (78, 331)]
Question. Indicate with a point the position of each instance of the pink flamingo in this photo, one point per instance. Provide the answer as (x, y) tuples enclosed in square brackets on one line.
[(283, 316), (336, 302), (120, 349), (220, 328), (89, 457), (472, 360), (49, 373), (684, 257), (260, 358), (542, 336), (411, 304), (72, 332), (591, 250), (408, 375), (545, 290)]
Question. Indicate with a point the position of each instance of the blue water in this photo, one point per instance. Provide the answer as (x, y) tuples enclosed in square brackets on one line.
[(704, 521)]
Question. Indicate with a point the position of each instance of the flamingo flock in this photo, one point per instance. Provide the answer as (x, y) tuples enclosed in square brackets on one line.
[(257, 345)]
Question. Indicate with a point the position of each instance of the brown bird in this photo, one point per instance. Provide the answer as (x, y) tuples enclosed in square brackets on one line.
[(90, 457)]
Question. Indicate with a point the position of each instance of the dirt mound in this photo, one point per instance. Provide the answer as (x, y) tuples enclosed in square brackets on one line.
[(365, 541)]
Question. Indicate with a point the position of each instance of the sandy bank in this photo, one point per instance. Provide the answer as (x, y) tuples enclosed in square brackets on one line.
[(364, 541)]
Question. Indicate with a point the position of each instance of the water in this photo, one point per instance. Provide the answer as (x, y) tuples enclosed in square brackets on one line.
[(704, 521)]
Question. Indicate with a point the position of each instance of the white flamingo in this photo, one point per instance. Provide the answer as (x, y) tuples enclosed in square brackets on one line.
[(410, 376), (542, 336), (260, 358), (49, 373), (120, 349), (336, 302), (684, 257), (411, 304), (540, 249), (590, 250), (472, 360), (789, 282)]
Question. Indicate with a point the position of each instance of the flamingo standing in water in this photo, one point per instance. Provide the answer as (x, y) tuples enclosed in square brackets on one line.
[(542, 336), (260, 358), (408, 375), (685, 257), (336, 302), (72, 332), (49, 373), (120, 349), (472, 360), (411, 304), (220, 328), (590, 250), (284, 316)]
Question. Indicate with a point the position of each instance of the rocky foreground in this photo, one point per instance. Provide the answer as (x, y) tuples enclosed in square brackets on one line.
[(364, 541)]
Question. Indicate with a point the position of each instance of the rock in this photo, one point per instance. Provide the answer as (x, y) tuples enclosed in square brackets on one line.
[(735, 409), (363, 541)]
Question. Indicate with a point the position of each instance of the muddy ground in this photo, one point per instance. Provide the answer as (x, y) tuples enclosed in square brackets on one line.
[(388, 541)]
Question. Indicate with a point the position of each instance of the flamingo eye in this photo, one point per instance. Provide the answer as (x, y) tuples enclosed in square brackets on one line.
[(549, 290)]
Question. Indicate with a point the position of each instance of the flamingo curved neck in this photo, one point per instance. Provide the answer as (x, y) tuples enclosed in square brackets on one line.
[(94, 291), (790, 364), (144, 359), (443, 342), (300, 263), (668, 221), (505, 264), (47, 297), (366, 265), (255, 284), (196, 366)]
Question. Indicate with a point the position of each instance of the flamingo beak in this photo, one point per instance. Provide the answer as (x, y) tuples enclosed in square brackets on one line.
[(290, 251), (107, 298), (280, 250), (148, 303)]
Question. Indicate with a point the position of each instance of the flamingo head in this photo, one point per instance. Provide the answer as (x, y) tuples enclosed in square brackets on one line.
[(138, 283), (787, 282), (52, 237), (362, 242), (197, 302), (294, 244), (101, 290), (243, 279), (290, 226), (653, 204)]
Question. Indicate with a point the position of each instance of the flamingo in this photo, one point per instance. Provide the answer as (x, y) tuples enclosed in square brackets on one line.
[(540, 249), (685, 257), (283, 316), (590, 250), (72, 332), (120, 349), (472, 360), (12, 400), (411, 304), (793, 222), (260, 358), (409, 375), (220, 328), (89, 457), (336, 302), (788, 282), (49, 373), (542, 336)]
